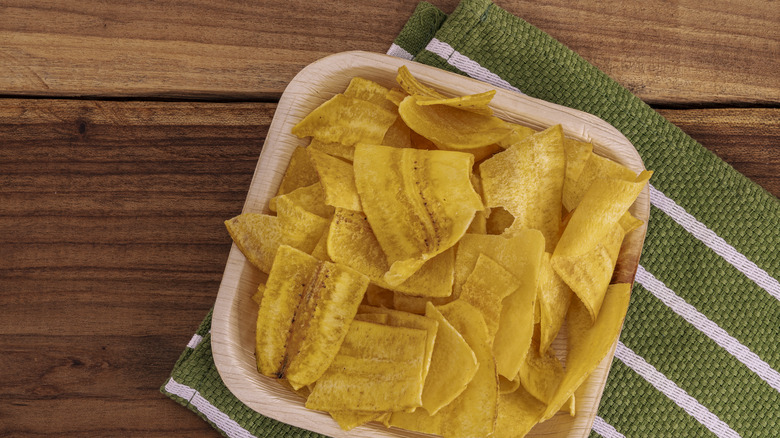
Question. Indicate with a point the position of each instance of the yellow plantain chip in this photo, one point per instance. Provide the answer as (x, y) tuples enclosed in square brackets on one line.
[(337, 180), (258, 296), (396, 95), (305, 313), (346, 120), (473, 412), (300, 172), (540, 374), (352, 242), (485, 288), (450, 127), (377, 369), (577, 155), (587, 252), (553, 296), (476, 103), (498, 221), (257, 236), (300, 228), (520, 255), (453, 365), (419, 203), (310, 198), (346, 152), (398, 135), (411, 85), (348, 420), (518, 413), (365, 89), (596, 167), (519, 132), (408, 303), (398, 318), (589, 342), (527, 180)]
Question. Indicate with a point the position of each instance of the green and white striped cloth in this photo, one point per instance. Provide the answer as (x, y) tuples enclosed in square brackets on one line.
[(699, 354)]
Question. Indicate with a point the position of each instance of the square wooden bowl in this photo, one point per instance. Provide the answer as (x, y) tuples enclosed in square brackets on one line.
[(234, 319)]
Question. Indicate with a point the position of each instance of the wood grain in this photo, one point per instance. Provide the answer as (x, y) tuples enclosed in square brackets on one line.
[(666, 52), (112, 248)]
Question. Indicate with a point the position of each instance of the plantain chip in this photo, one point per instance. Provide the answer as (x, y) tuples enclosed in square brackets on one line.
[(527, 180), (378, 368), (398, 135), (300, 172), (365, 89), (257, 236), (577, 155), (376, 318), (453, 365), (485, 288), (587, 252), (450, 127), (310, 198), (411, 85), (346, 120), (348, 420), (352, 242), (518, 413), (540, 374), (408, 303), (300, 228), (419, 203), (396, 95), (596, 167), (473, 412), (589, 342), (258, 295), (305, 313), (506, 386), (553, 296), (519, 132), (337, 180), (476, 103), (345, 152), (320, 250)]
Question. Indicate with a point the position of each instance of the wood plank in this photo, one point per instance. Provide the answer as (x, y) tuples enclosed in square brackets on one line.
[(682, 52), (748, 139)]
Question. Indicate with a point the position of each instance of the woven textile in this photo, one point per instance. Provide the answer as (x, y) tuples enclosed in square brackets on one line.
[(699, 353)]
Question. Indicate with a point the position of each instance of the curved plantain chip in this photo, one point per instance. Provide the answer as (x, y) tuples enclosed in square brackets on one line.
[(540, 374), (519, 132), (257, 236), (577, 155), (518, 413), (485, 288), (419, 203), (450, 127), (589, 342), (595, 167), (587, 252), (411, 85), (337, 180), (361, 88), (310, 198), (553, 296), (346, 120), (378, 368), (527, 180), (299, 228), (304, 315), (351, 241), (476, 103), (300, 172)]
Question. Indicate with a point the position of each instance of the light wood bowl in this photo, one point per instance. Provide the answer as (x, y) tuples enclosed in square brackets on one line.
[(233, 324)]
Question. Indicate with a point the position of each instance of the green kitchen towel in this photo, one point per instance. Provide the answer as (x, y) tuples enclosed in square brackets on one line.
[(699, 353)]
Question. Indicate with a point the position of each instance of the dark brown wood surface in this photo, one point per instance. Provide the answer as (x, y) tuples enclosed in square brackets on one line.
[(111, 237)]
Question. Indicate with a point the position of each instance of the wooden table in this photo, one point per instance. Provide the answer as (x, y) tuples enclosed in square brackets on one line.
[(129, 132)]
